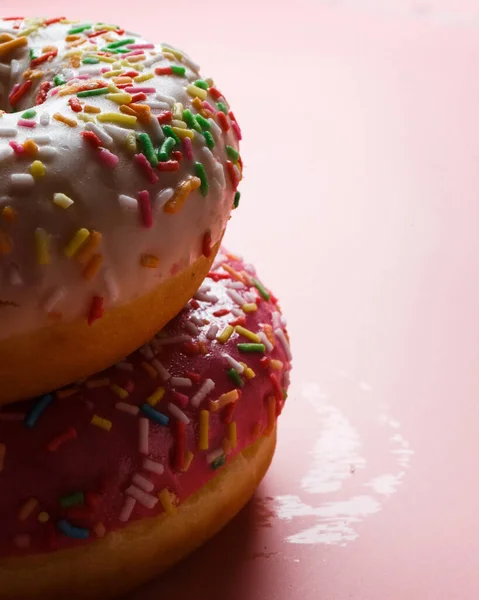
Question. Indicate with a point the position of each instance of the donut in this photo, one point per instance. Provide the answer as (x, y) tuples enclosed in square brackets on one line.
[(119, 169), (111, 480)]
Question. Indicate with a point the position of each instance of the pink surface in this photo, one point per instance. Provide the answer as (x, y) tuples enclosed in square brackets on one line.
[(360, 210)]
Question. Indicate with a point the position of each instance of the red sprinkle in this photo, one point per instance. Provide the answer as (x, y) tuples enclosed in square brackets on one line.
[(145, 209), (223, 121), (239, 321), (75, 104), (91, 138), (179, 451), (236, 130), (195, 377), (265, 362), (139, 97), (221, 313), (13, 18), (54, 20), (42, 92), (130, 74), (194, 304), (163, 70), (17, 148), (176, 155), (227, 414), (191, 348), (232, 173), (59, 440), (169, 165), (206, 245), (165, 117), (182, 399), (43, 58), (147, 169), (218, 276), (188, 148), (96, 309), (19, 92), (215, 93), (95, 33)]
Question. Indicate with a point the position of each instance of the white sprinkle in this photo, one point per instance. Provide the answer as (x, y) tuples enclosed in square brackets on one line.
[(128, 202), (163, 373), (286, 378), (152, 60), (219, 174), (8, 132), (15, 68), (62, 200), (43, 138), (127, 408), (208, 157), (212, 456), (155, 125), (146, 500), (262, 336), (179, 414), (105, 139), (144, 430), (251, 270), (147, 352), (47, 152), (212, 331), (90, 70), (181, 382), (153, 466), (163, 98), (157, 104), (280, 334), (236, 285), (54, 299), (124, 366), (190, 63), (6, 152), (127, 509), (163, 196), (196, 320), (44, 119), (202, 297), (22, 180), (15, 277), (284, 322), (142, 482), (234, 363), (276, 320), (117, 133), (111, 285), (233, 294), (215, 128), (236, 311), (207, 387), (176, 339), (250, 297), (191, 328)]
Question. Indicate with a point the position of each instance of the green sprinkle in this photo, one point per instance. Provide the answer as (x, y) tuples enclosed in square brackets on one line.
[(205, 125), (119, 43), (232, 153), (166, 148), (32, 54), (178, 70), (218, 462), (72, 500), (210, 142), (148, 149), (190, 119), (79, 29), (201, 174), (237, 199), (222, 107), (90, 60), (235, 377), (261, 289), (168, 131), (285, 393), (97, 92), (251, 348), (201, 83), (29, 114), (59, 80)]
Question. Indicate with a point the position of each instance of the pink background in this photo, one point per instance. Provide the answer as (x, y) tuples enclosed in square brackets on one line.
[(360, 208)]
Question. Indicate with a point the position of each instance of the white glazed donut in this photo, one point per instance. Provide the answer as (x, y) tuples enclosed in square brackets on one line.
[(118, 172)]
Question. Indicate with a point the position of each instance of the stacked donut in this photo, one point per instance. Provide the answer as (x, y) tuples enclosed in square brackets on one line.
[(170, 361)]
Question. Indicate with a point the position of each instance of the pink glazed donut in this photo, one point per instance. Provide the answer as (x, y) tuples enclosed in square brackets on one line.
[(111, 480), (119, 168)]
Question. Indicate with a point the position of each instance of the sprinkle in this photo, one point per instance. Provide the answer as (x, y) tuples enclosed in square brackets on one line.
[(44, 119), (148, 150), (154, 415), (8, 132), (248, 334), (164, 374), (54, 299), (166, 502), (22, 180), (209, 139), (269, 346), (88, 108), (188, 148), (43, 517), (71, 531), (119, 391), (196, 92), (225, 334), (206, 388), (108, 158), (102, 423), (3, 452), (26, 123), (224, 399), (127, 408), (178, 413), (169, 166), (188, 460), (95, 92), (149, 261), (76, 242), (144, 432), (145, 499), (212, 456), (153, 466), (10, 45), (234, 295), (119, 97), (111, 117), (62, 438), (235, 377), (78, 29), (75, 499), (97, 383), (37, 168), (234, 363), (18, 92), (142, 482), (232, 433), (106, 140), (27, 509), (36, 411), (87, 252), (156, 396), (65, 120), (144, 205), (250, 307), (136, 89), (127, 509), (201, 174), (232, 153), (282, 338), (181, 193), (93, 266), (75, 104), (222, 107), (251, 348), (118, 43)]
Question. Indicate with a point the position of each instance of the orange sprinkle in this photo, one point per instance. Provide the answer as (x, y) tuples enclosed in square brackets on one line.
[(96, 383), (88, 108), (66, 393), (87, 251), (27, 509), (182, 192), (120, 80), (268, 330), (30, 147), (66, 120), (5, 37), (10, 45), (149, 261), (233, 272), (9, 214), (92, 267), (127, 110), (152, 372), (72, 37), (6, 245), (188, 460)]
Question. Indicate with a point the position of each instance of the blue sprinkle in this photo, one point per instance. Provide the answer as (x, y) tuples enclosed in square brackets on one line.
[(154, 415), (79, 533), (36, 411)]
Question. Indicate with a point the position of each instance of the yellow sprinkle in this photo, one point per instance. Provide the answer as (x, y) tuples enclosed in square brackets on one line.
[(130, 143), (27, 509), (210, 82), (182, 133), (166, 502), (37, 168), (156, 396), (152, 372), (107, 27), (112, 73), (176, 53), (113, 89), (42, 244), (76, 242), (248, 334), (179, 123), (111, 117), (86, 118), (102, 423), (3, 451), (232, 433), (248, 371), (89, 108), (196, 92), (137, 58), (271, 415), (96, 383), (223, 400), (168, 55), (188, 460), (250, 307), (276, 365), (43, 517), (119, 98), (150, 261), (62, 200), (225, 335), (106, 59), (178, 109), (119, 391), (143, 77), (10, 45), (66, 393), (122, 79), (99, 530), (204, 430), (92, 267), (66, 120), (87, 251)]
